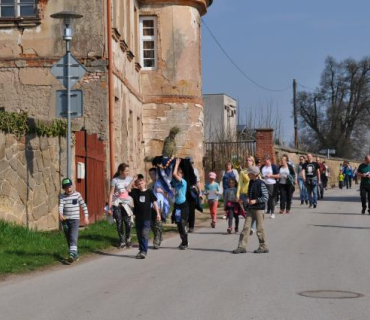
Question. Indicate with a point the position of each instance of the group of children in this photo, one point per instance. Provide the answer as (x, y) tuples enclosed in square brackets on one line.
[(150, 209), (151, 206)]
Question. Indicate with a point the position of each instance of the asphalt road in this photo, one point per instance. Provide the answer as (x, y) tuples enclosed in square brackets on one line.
[(326, 248)]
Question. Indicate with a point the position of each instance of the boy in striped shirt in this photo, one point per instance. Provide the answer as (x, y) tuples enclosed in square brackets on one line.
[(69, 215)]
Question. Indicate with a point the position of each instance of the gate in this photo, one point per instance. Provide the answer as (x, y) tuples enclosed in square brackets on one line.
[(218, 153), (91, 152)]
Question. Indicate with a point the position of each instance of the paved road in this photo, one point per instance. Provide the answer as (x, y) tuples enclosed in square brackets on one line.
[(326, 248)]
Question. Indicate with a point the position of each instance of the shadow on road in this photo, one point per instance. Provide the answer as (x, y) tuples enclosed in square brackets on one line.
[(340, 213), (56, 256), (342, 227), (223, 233), (114, 255), (341, 199)]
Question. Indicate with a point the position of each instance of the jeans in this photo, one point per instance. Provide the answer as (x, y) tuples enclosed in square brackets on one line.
[(182, 224), (365, 191), (244, 198), (285, 196), (258, 215), (302, 190), (121, 217), (157, 228), (320, 190), (70, 227), (271, 202), (311, 186), (142, 231), (192, 204), (348, 181)]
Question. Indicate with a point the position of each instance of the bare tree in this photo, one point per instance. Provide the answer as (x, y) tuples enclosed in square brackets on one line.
[(336, 114)]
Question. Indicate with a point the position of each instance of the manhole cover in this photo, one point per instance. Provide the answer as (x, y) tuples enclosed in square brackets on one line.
[(331, 294)]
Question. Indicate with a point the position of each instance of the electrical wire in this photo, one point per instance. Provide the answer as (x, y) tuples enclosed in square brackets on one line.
[(237, 67), (301, 85)]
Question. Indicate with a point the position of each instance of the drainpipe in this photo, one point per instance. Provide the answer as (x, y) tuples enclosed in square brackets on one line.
[(110, 86)]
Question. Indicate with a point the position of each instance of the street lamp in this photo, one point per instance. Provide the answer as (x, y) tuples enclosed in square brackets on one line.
[(67, 17)]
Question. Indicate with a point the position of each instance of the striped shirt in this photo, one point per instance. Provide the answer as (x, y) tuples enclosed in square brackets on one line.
[(69, 205)]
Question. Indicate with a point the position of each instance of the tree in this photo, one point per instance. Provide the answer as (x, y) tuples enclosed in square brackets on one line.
[(336, 114)]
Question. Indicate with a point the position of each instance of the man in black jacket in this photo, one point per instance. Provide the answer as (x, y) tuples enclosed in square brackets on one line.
[(257, 198)]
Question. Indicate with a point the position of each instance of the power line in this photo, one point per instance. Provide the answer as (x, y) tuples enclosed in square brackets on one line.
[(301, 85), (238, 68)]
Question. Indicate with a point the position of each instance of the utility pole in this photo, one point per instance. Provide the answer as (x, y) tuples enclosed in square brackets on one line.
[(295, 113)]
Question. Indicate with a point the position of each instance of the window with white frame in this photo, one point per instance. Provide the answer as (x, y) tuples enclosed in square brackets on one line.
[(18, 8), (148, 42)]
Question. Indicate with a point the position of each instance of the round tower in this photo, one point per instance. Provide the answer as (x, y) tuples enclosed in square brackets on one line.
[(171, 79)]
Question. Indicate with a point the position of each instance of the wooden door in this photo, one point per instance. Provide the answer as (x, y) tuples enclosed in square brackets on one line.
[(91, 151)]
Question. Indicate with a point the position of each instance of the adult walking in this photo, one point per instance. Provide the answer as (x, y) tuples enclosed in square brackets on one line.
[(320, 187), (302, 188), (286, 183), (257, 198), (192, 200), (363, 172), (348, 175), (311, 178), (226, 175), (270, 172)]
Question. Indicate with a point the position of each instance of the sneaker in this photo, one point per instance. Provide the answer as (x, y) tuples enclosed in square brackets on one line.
[(236, 230), (310, 206), (213, 224), (272, 215), (306, 202), (141, 255), (128, 244), (183, 247), (72, 258), (259, 250), (239, 250), (314, 206), (122, 245), (251, 232), (191, 230), (302, 202), (363, 210), (156, 246), (229, 230), (282, 211), (287, 211)]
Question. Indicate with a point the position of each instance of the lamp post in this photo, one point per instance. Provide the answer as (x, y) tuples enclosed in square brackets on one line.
[(67, 17)]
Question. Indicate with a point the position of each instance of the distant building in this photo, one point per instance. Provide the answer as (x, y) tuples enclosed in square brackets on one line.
[(220, 117)]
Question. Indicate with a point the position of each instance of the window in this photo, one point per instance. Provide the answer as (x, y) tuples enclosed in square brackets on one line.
[(18, 8), (148, 42)]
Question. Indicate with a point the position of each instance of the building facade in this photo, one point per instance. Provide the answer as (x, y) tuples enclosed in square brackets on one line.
[(143, 60), (220, 117)]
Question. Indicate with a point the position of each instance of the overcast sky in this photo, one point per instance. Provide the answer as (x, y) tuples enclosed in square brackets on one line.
[(274, 42)]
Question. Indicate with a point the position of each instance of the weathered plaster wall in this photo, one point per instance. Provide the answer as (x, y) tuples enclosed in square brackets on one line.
[(172, 94), (30, 180)]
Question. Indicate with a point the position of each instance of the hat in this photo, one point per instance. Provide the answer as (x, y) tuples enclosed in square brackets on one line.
[(66, 183), (212, 175), (254, 170)]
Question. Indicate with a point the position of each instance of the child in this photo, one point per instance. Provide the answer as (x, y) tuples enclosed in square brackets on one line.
[(119, 203), (257, 198), (69, 215), (180, 213), (232, 206), (163, 205), (143, 199), (212, 192), (341, 179)]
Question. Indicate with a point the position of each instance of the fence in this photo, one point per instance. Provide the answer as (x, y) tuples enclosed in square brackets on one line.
[(216, 154)]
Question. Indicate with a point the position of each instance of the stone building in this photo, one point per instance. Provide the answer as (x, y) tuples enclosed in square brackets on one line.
[(144, 77)]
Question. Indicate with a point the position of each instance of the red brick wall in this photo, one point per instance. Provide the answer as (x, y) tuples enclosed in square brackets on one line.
[(265, 144)]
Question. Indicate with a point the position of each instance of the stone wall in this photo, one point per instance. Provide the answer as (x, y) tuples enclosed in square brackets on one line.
[(30, 179)]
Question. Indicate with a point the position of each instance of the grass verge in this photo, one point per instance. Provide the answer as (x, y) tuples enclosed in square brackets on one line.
[(23, 250)]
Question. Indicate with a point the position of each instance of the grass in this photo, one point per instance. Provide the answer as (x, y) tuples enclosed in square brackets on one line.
[(23, 250)]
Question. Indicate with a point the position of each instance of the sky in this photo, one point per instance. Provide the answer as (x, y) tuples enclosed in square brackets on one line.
[(274, 42)]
